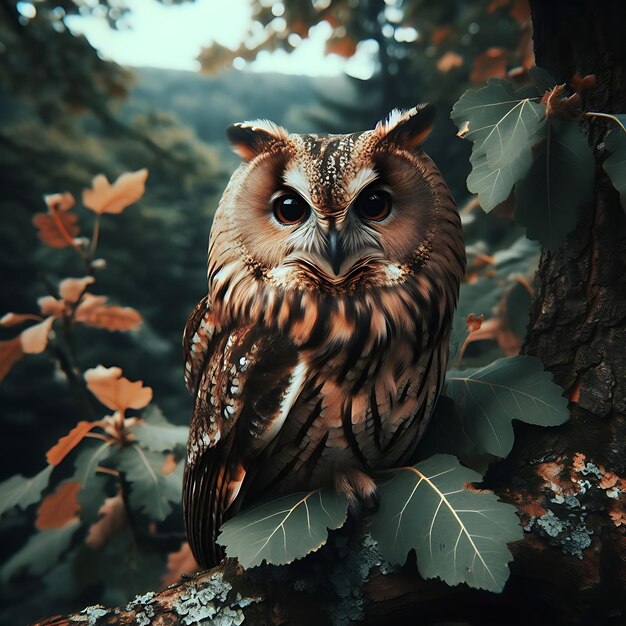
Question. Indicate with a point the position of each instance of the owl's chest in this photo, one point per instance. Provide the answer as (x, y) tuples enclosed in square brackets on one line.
[(365, 409)]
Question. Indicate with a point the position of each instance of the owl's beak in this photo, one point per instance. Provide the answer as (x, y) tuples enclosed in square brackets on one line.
[(334, 249)]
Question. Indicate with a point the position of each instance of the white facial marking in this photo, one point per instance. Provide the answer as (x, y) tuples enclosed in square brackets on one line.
[(296, 178)]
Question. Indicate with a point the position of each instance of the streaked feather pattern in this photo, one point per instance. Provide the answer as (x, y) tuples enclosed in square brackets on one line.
[(302, 377)]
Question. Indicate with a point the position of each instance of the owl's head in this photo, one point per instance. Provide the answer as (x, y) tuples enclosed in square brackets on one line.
[(334, 213)]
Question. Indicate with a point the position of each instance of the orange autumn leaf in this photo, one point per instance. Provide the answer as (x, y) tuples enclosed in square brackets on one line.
[(105, 197), (10, 353), (449, 61), (49, 305), (58, 231), (112, 520), (71, 289), (35, 339), (179, 563), (59, 507), (60, 201), (14, 319), (58, 227), (344, 46), (489, 64), (66, 444), (440, 34), (115, 391), (94, 312)]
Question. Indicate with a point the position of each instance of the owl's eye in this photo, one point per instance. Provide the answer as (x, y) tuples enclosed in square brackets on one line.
[(373, 205), (290, 208)]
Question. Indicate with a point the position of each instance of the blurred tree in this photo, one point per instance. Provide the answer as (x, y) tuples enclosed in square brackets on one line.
[(418, 51)]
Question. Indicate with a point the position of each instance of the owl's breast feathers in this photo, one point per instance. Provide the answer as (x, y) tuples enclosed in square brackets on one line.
[(292, 387)]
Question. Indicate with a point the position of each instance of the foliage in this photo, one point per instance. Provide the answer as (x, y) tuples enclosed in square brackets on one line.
[(285, 529), (127, 470), (536, 148), (458, 534)]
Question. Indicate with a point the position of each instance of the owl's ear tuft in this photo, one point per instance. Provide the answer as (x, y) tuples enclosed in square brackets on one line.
[(251, 138), (408, 129)]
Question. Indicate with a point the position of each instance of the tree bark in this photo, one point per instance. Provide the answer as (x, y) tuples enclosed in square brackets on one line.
[(568, 482)]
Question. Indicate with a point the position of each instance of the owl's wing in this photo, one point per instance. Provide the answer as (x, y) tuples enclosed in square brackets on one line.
[(245, 380)]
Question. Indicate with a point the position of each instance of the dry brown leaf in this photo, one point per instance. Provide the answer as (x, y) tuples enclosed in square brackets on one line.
[(71, 289), (105, 197), (94, 312), (66, 444), (489, 64), (59, 507), (179, 563), (112, 520), (35, 339), (10, 353), (56, 231), (449, 61), (559, 105), (115, 391)]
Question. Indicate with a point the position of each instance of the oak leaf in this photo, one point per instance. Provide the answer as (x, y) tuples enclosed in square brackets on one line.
[(71, 289), (115, 391), (60, 201), (58, 227), (105, 197), (14, 319), (35, 339), (49, 305), (112, 520), (93, 311), (66, 444), (59, 507)]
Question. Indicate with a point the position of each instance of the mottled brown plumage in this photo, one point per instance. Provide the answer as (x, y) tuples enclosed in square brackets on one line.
[(320, 349)]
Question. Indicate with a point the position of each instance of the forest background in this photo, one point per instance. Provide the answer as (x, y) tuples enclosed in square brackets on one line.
[(73, 115)]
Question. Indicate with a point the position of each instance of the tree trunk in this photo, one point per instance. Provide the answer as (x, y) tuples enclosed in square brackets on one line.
[(568, 482)]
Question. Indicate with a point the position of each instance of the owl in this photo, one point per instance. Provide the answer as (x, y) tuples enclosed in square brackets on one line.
[(318, 353)]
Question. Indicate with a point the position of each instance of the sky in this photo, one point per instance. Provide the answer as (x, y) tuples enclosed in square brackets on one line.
[(171, 36)]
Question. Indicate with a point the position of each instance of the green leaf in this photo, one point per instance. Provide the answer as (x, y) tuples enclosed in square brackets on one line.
[(503, 128), (558, 183), (93, 485), (157, 434), (151, 491), (489, 398), (458, 535), (615, 165), (283, 530), (41, 551), (21, 491), (445, 433)]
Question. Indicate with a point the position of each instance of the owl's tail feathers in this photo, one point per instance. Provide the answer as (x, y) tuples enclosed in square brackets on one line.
[(210, 485)]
